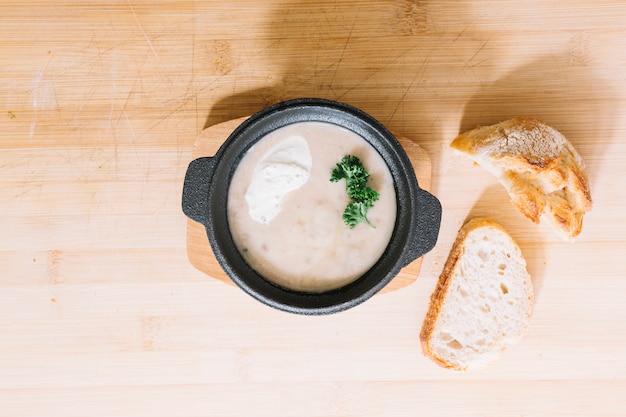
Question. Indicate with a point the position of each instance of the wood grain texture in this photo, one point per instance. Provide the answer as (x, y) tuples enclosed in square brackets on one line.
[(198, 247), (101, 311)]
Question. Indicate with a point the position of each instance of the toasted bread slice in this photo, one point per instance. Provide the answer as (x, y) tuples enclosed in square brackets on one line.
[(538, 166), (483, 301)]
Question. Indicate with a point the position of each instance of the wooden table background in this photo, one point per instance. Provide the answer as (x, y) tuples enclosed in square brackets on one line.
[(101, 312)]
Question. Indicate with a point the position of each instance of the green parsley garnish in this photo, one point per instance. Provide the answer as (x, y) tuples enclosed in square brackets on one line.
[(352, 170)]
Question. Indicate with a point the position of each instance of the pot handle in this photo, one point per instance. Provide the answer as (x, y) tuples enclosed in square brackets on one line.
[(426, 229), (196, 188)]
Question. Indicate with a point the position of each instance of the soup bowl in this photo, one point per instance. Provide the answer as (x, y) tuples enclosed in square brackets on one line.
[(205, 200)]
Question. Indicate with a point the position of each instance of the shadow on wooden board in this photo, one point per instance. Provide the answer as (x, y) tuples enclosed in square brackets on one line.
[(336, 51), (562, 90), (557, 90), (421, 86), (495, 203)]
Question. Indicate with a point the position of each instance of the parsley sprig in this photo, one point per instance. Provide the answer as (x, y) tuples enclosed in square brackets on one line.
[(352, 170)]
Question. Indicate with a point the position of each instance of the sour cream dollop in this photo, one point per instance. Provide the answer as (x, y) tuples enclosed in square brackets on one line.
[(284, 168)]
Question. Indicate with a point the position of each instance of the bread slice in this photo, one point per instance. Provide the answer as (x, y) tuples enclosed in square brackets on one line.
[(538, 166), (483, 301)]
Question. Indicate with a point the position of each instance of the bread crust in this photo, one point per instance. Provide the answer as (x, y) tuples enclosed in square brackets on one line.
[(445, 279), (542, 172)]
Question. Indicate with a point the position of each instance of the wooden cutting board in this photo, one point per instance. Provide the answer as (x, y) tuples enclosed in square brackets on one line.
[(199, 249), (101, 104)]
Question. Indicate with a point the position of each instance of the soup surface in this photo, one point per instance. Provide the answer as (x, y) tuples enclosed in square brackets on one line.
[(285, 215)]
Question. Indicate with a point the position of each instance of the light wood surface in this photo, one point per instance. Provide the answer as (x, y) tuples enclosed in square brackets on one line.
[(198, 247), (103, 314)]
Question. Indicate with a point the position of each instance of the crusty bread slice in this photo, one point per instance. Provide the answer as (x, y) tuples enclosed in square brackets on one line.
[(483, 301), (538, 166)]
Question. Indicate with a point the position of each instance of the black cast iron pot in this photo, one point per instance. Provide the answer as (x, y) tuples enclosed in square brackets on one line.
[(205, 195)]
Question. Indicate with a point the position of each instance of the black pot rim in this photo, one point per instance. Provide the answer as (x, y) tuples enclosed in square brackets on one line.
[(205, 200)]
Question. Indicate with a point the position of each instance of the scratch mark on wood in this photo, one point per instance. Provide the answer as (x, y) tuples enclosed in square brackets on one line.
[(44, 96), (371, 74), (478, 51), (345, 47), (25, 190), (192, 79), (113, 95), (132, 132), (406, 90), (145, 35), (35, 92)]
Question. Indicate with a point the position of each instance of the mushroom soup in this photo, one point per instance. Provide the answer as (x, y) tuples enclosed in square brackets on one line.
[(285, 215)]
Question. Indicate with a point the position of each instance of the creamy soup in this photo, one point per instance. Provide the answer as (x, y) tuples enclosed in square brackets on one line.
[(285, 215)]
